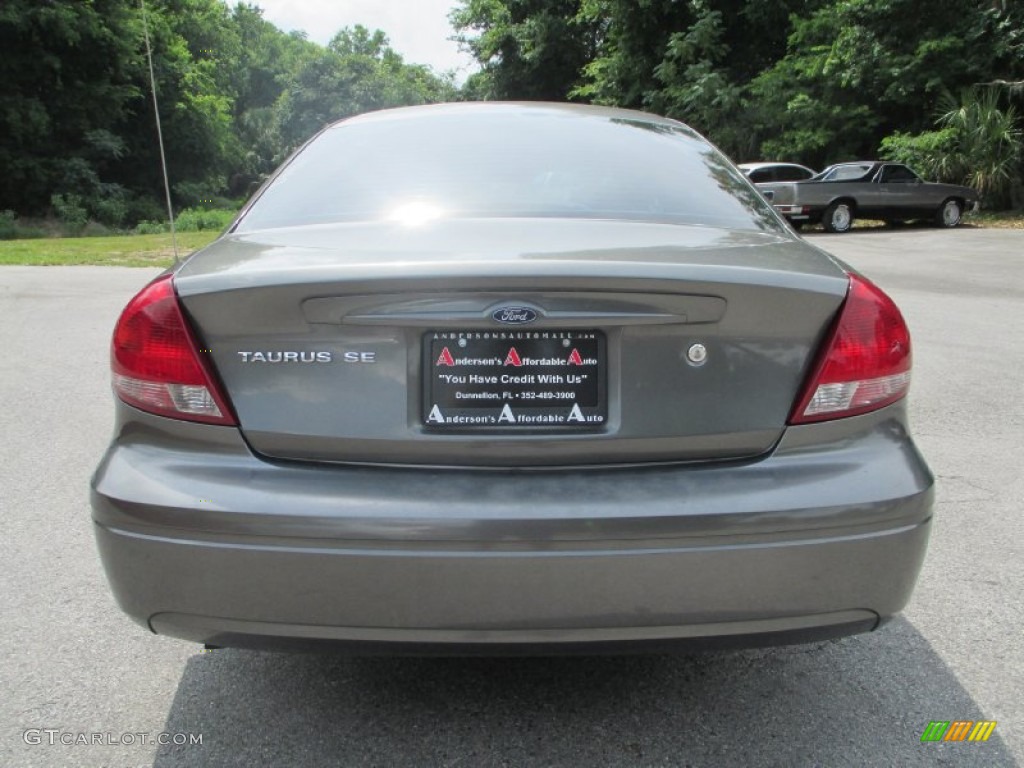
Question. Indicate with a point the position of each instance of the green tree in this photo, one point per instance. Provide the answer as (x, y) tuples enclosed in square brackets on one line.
[(528, 49), (858, 70), (70, 73), (978, 143), (267, 57), (236, 94), (195, 50), (690, 59), (357, 72)]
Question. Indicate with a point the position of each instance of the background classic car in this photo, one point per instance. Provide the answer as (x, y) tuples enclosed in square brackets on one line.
[(871, 190)]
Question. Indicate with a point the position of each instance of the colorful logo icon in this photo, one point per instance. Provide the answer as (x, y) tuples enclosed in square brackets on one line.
[(958, 730)]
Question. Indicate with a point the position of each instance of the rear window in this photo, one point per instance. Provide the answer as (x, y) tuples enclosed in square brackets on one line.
[(507, 161), (793, 173), (847, 173)]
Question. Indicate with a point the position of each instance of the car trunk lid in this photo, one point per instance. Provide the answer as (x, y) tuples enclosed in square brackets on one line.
[(629, 342)]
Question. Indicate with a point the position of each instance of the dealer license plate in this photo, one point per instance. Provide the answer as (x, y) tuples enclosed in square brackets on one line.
[(508, 379)]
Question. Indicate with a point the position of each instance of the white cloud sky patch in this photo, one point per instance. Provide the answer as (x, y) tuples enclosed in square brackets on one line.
[(418, 29)]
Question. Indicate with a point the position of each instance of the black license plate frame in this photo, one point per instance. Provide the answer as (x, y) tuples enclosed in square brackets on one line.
[(514, 380)]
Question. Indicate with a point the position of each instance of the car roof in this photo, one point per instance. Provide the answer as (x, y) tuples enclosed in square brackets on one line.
[(755, 166), (512, 107), (871, 163)]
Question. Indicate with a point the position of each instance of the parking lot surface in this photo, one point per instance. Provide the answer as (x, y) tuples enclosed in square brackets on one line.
[(74, 669)]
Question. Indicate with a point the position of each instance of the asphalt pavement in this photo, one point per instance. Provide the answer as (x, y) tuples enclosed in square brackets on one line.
[(75, 670)]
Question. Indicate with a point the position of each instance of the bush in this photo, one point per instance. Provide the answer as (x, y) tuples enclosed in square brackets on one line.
[(928, 153), (198, 220), (197, 194), (30, 232), (8, 227), (146, 227), (111, 212), (141, 208), (978, 144), (95, 229), (70, 211)]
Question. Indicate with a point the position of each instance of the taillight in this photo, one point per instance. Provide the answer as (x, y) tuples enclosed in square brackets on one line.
[(865, 362), (156, 363)]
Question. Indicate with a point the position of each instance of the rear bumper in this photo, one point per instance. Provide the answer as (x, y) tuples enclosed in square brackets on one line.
[(380, 601), (803, 214), (824, 537)]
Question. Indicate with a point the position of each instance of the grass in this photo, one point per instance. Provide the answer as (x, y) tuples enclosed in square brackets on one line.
[(119, 251), (1002, 220), (984, 220)]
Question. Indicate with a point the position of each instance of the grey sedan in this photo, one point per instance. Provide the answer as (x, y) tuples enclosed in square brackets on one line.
[(498, 378)]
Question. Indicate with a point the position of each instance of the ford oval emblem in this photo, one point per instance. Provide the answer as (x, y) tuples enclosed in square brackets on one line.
[(514, 315)]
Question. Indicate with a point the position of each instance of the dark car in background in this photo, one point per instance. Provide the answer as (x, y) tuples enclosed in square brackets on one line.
[(891, 192), (499, 378)]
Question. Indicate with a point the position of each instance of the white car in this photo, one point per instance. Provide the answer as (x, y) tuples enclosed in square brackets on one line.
[(765, 173)]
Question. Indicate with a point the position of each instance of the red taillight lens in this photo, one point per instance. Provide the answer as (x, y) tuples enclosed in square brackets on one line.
[(866, 360), (155, 360)]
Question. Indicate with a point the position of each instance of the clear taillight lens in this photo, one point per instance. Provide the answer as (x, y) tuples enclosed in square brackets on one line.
[(865, 364), (156, 363)]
